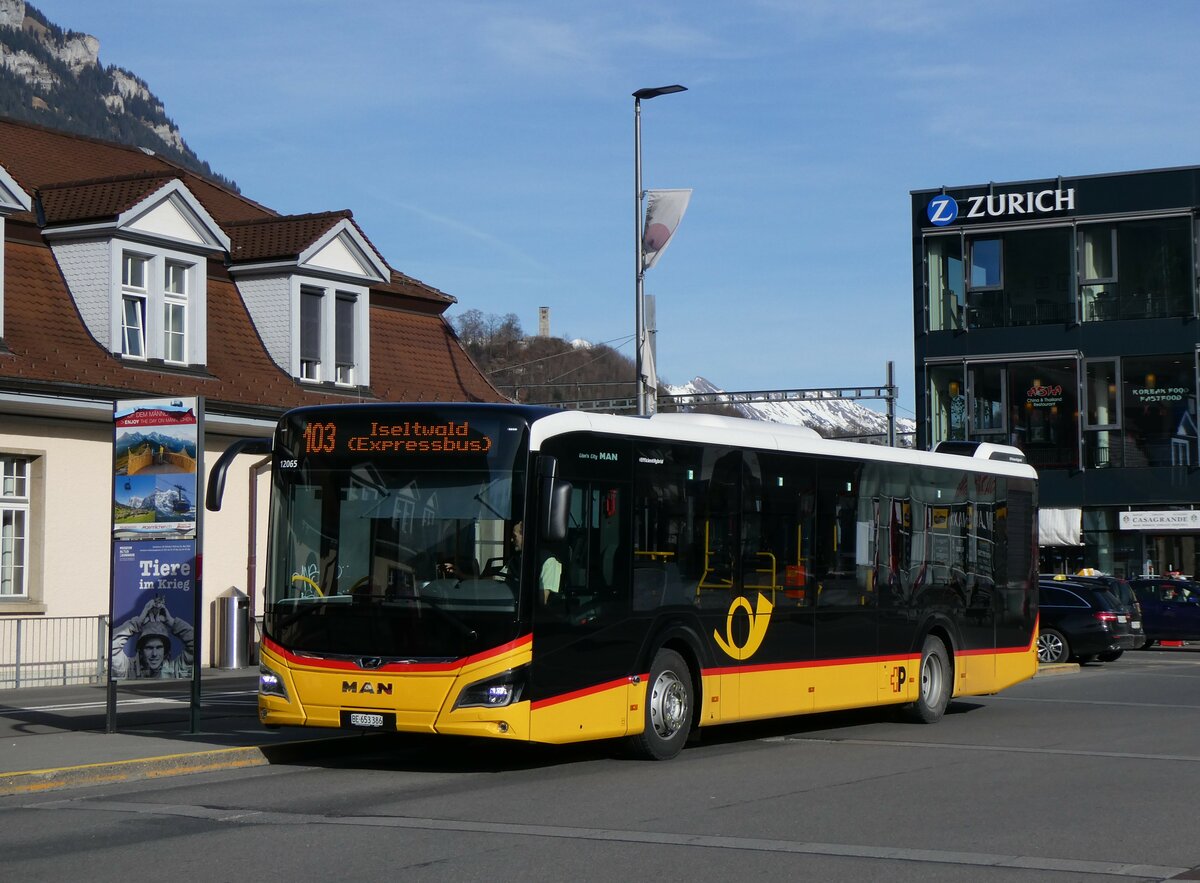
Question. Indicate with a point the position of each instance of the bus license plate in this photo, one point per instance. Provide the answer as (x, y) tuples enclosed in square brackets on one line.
[(358, 719)]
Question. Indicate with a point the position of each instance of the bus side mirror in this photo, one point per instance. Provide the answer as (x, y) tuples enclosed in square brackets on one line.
[(555, 501), (216, 478), (554, 528)]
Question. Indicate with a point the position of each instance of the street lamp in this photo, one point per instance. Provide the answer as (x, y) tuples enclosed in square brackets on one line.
[(647, 376)]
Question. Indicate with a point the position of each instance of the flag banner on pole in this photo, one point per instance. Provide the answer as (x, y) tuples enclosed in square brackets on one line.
[(664, 211)]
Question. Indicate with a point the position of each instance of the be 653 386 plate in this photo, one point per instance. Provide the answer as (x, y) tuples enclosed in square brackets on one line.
[(369, 720)]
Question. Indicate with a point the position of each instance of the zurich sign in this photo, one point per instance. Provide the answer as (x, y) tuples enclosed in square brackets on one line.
[(942, 210)]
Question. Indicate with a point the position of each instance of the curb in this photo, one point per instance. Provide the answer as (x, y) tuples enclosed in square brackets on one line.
[(1049, 669), (212, 760)]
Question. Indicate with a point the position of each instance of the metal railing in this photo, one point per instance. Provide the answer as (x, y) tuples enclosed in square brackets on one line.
[(41, 651)]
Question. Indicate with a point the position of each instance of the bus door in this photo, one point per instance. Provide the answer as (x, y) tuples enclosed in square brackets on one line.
[(753, 588), (778, 504), (583, 642), (846, 599)]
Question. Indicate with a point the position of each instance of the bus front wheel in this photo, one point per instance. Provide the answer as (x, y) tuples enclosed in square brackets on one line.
[(934, 693), (667, 709)]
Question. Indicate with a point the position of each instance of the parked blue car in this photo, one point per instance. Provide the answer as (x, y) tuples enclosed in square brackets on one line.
[(1170, 608)]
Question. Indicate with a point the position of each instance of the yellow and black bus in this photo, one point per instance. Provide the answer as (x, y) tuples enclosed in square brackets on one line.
[(556, 576)]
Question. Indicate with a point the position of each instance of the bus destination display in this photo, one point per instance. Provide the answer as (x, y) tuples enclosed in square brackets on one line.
[(402, 437)]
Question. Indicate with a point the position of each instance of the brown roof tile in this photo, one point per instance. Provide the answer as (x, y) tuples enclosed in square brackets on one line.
[(98, 200), (281, 237)]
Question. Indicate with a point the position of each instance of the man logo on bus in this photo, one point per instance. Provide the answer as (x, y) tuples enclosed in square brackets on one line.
[(942, 210), (760, 618)]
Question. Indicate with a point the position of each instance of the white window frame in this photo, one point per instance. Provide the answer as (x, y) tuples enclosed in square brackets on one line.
[(331, 366), (158, 302), (175, 302), (16, 526), (344, 370), (311, 363), (133, 295)]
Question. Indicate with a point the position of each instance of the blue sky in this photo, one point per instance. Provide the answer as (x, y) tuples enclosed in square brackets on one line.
[(486, 147)]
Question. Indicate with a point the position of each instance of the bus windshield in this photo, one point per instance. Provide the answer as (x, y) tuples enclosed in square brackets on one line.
[(391, 532)]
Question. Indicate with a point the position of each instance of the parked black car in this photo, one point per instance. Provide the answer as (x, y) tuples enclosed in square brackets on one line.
[(1123, 591), (1080, 622), (1170, 608)]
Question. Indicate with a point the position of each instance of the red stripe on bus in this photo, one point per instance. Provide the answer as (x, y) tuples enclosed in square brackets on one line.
[(805, 663), (852, 660), (579, 694), (397, 667)]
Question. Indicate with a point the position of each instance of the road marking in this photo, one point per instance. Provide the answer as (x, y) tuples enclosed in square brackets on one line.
[(127, 703), (1091, 702), (1001, 749), (235, 815)]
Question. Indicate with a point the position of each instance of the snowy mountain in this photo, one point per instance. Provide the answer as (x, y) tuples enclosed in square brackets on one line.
[(169, 504), (831, 418)]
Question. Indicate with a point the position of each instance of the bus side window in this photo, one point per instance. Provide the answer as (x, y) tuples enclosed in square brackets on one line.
[(788, 500), (836, 559), (668, 536)]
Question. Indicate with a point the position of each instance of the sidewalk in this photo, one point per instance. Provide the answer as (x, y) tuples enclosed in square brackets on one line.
[(54, 737)]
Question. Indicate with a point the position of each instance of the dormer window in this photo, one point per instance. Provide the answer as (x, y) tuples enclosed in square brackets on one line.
[(329, 319), (322, 268), (136, 263), (154, 305)]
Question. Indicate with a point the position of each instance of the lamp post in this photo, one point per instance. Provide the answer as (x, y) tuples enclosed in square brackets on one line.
[(647, 380)]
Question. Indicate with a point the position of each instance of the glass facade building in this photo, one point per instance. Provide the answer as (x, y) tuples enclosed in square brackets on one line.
[(1061, 316)]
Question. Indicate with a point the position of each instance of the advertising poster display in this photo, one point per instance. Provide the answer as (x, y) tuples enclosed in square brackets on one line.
[(154, 596), (154, 465)]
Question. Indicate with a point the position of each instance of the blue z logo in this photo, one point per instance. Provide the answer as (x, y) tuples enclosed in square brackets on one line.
[(942, 210)]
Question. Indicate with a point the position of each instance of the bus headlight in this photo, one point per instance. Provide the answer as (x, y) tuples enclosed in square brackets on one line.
[(494, 692), (270, 683)]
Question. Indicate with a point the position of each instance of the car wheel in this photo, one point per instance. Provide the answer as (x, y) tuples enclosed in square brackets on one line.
[(1052, 646), (1110, 655), (935, 686), (668, 708), (1149, 643)]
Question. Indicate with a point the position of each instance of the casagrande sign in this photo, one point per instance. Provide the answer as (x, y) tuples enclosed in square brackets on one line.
[(1169, 519)]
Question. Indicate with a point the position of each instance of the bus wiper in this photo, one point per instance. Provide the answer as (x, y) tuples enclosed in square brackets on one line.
[(490, 507), (469, 633), (301, 611)]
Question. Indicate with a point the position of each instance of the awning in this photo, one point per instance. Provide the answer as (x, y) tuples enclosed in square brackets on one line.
[(1060, 527)]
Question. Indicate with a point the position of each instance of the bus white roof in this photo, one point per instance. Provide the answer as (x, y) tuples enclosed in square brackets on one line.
[(760, 434)]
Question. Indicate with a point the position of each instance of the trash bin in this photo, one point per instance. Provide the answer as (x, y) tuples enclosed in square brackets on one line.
[(231, 623)]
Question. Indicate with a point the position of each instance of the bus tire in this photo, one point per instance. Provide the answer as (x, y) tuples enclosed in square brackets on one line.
[(667, 709), (935, 682)]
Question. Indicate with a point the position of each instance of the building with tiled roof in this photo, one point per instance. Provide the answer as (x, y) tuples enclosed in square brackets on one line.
[(126, 277)]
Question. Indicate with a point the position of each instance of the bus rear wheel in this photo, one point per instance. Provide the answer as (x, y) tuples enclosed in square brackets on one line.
[(934, 693), (667, 709)]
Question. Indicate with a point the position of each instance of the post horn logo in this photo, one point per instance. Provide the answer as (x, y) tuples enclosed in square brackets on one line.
[(760, 618)]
